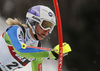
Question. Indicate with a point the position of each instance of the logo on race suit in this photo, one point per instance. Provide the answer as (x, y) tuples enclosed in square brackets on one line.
[(21, 39), (40, 67), (50, 14), (23, 61), (26, 39), (20, 36), (21, 33)]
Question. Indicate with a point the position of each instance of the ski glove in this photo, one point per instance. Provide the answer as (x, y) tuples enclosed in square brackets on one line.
[(66, 49)]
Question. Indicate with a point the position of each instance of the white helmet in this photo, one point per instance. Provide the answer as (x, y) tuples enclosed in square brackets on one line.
[(38, 14)]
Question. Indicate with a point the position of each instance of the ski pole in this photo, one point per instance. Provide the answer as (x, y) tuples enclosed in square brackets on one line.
[(42, 48)]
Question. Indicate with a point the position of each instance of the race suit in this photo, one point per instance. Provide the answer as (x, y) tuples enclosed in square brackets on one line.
[(13, 56)]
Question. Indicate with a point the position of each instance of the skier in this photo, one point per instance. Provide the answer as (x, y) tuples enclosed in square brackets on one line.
[(14, 53)]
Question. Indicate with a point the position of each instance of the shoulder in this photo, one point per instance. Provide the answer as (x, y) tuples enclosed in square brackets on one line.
[(15, 28)]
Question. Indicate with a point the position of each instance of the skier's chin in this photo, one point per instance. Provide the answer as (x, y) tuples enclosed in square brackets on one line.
[(41, 37)]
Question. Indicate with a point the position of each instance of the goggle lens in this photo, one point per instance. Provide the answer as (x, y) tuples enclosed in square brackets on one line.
[(46, 25)]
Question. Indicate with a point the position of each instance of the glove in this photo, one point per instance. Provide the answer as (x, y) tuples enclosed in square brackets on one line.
[(55, 54), (66, 48)]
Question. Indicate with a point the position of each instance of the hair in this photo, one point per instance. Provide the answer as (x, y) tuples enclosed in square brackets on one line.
[(12, 22)]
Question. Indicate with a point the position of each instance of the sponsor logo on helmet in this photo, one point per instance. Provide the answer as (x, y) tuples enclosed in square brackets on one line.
[(50, 14), (36, 18)]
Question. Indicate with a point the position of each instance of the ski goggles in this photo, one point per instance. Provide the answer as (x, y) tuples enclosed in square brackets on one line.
[(46, 25)]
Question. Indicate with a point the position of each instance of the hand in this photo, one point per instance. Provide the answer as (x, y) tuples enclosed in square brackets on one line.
[(55, 54), (66, 48)]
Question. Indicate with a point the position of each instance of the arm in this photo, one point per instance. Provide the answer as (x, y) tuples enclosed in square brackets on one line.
[(16, 38)]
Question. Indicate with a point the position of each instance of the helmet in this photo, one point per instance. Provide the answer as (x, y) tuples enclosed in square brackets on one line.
[(39, 14)]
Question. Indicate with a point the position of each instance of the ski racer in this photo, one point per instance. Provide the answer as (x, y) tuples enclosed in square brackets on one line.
[(14, 53)]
